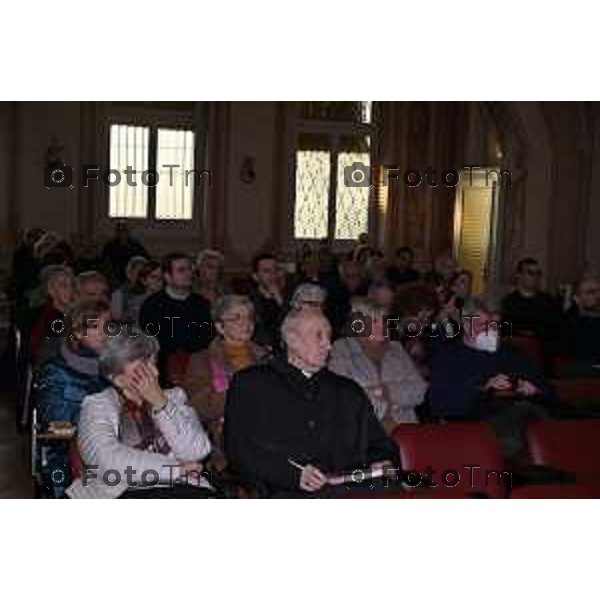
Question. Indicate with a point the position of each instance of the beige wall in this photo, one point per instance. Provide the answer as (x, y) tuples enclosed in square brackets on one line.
[(560, 217), (249, 206)]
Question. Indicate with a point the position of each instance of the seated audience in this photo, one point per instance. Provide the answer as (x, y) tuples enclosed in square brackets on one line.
[(151, 277), (136, 439), (52, 249), (291, 422), (377, 268), (402, 271), (74, 372), (383, 296), (581, 332), (269, 300), (352, 282), (93, 285), (59, 285), (210, 371), (177, 317), (528, 309), (209, 268), (460, 286), (25, 268), (118, 251), (127, 299), (309, 270), (478, 378), (65, 380), (308, 295), (363, 251), (381, 367), (444, 267), (420, 334), (87, 256)]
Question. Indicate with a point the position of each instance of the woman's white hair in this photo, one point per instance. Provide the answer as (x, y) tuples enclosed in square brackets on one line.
[(227, 303), (367, 307), (124, 348)]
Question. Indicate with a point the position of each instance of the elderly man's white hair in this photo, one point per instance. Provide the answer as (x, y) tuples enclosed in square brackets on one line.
[(307, 292), (293, 319), (484, 303)]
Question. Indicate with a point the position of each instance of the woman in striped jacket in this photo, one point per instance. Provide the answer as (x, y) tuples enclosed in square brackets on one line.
[(135, 439)]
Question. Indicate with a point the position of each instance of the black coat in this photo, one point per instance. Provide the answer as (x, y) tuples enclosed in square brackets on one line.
[(274, 413)]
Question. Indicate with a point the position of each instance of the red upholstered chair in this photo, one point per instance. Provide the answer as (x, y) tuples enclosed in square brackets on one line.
[(469, 450), (176, 367), (578, 392), (75, 462), (442, 493), (397, 495), (528, 346), (556, 491), (572, 446)]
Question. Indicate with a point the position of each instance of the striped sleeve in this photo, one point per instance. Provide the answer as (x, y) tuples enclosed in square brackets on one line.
[(102, 450)]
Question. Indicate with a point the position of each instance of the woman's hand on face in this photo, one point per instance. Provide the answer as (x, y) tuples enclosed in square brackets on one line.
[(144, 381), (123, 384)]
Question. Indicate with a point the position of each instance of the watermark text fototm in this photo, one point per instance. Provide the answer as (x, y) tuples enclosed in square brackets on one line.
[(360, 175), (63, 327), (433, 478), (60, 175), (361, 325), (147, 478)]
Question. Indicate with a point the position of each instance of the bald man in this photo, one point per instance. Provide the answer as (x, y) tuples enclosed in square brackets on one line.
[(291, 423)]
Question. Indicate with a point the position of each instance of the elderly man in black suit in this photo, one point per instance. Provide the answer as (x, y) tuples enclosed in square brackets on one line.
[(291, 424)]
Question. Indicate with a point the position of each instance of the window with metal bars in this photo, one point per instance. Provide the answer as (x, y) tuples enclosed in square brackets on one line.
[(152, 173), (325, 206)]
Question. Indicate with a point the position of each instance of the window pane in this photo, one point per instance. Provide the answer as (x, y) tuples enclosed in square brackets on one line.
[(366, 111), (352, 203), (175, 189), (312, 192), (128, 149)]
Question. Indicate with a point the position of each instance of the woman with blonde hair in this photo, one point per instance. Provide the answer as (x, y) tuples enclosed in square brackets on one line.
[(209, 372), (209, 270)]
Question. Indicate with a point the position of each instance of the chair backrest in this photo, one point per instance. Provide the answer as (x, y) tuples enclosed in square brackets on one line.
[(556, 491), (578, 392), (464, 456), (528, 346), (177, 366), (572, 446)]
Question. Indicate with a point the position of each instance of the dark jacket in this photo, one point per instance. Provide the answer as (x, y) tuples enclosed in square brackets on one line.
[(397, 277), (538, 314), (581, 338), (180, 327), (269, 316), (274, 414), (458, 374)]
